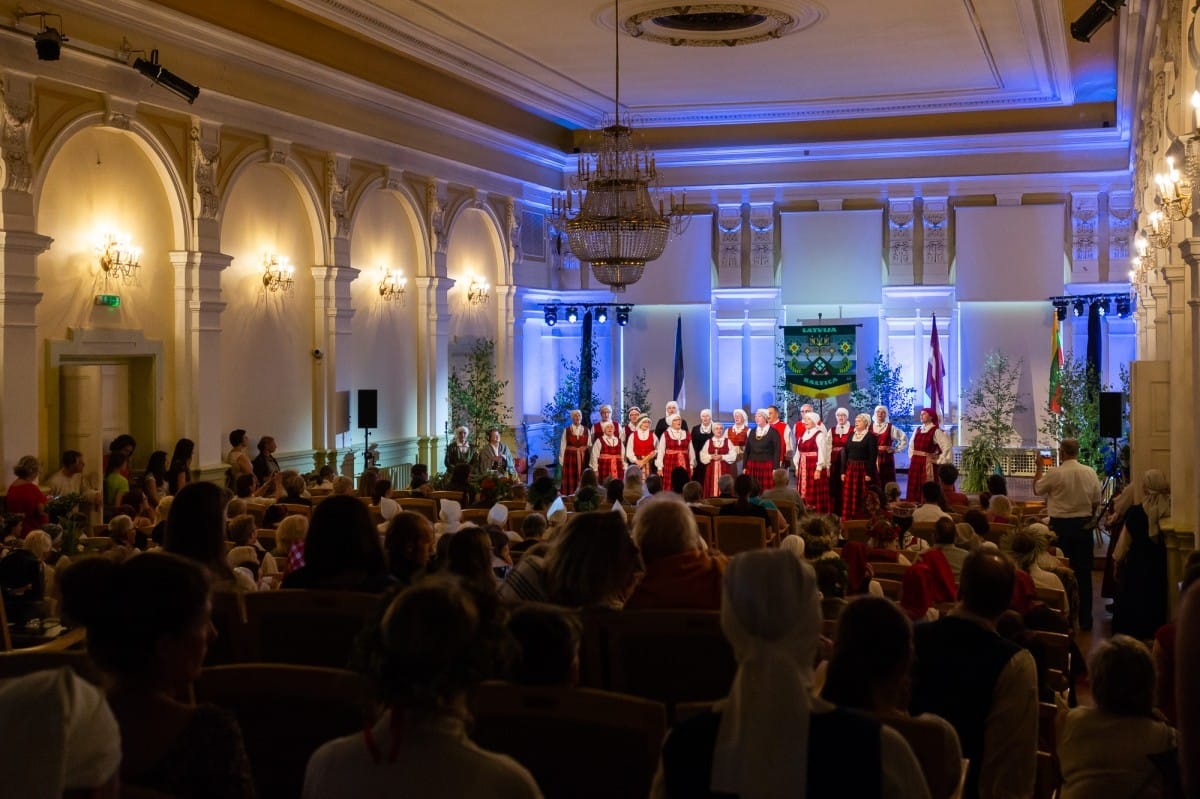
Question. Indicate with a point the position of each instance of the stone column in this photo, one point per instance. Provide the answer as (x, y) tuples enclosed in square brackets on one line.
[(900, 242), (198, 308), (433, 366)]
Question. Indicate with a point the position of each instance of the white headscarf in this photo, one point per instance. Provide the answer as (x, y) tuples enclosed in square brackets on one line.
[(68, 720), (498, 515), (793, 544), (1156, 499), (451, 515), (771, 615)]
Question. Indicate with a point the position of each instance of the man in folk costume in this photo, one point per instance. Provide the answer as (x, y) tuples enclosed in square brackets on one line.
[(701, 433), (630, 427), (664, 422), (891, 439), (460, 450), (674, 448), (573, 452), (812, 465), (929, 446), (606, 415), (838, 437), (719, 455), (781, 427), (763, 447), (608, 456), (642, 446)]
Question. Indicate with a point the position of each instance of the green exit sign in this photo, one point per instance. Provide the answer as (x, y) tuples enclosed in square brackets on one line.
[(108, 300)]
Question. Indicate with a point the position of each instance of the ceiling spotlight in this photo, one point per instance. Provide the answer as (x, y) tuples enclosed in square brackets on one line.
[(1078, 307), (1097, 15), (601, 314), (48, 41), (1123, 306), (165, 78), (572, 314), (1060, 309), (551, 313), (623, 315)]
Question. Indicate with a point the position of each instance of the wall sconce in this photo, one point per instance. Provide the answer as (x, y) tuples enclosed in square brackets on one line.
[(118, 257), (278, 273), (392, 285), (1174, 193), (1145, 260), (477, 291), (1159, 230)]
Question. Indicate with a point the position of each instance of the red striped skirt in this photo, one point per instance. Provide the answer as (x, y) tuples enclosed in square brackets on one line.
[(815, 491), (671, 459), (920, 471), (610, 468), (854, 486), (572, 468)]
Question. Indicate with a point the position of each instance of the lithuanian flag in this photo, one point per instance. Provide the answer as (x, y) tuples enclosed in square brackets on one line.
[(1056, 363)]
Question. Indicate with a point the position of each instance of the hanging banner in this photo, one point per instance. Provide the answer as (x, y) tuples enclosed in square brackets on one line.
[(821, 361)]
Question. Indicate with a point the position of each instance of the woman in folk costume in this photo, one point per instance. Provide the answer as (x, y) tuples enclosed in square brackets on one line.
[(718, 456), (606, 415), (858, 468), (573, 453), (701, 433), (838, 437), (762, 450), (890, 440), (630, 427), (642, 446), (812, 465), (736, 433), (929, 446), (608, 456), (675, 447)]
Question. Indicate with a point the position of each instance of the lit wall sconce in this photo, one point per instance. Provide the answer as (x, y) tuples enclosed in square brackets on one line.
[(278, 273), (119, 259), (1174, 193), (392, 285), (478, 291), (1159, 230)]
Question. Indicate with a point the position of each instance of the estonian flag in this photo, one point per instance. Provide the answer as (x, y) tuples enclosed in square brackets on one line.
[(679, 393)]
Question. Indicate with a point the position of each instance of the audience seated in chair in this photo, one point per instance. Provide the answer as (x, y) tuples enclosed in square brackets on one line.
[(548, 640), (289, 541), (149, 625), (779, 490), (196, 530), (433, 645), (945, 539), (409, 544), (771, 737), (680, 573), (869, 671), (743, 486), (947, 476), (341, 550)]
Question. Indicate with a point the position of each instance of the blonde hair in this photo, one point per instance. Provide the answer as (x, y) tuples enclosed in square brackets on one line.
[(163, 508), (38, 542), (864, 417), (292, 529)]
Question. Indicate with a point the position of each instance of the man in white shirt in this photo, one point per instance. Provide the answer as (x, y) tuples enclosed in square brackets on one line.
[(1072, 493), (70, 479)]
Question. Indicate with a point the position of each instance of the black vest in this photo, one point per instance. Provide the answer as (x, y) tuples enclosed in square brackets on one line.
[(957, 666), (843, 756)]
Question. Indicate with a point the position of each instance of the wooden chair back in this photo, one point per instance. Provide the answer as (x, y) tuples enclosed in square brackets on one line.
[(513, 504), (229, 620), (928, 745), (516, 518), (704, 523), (736, 534), (891, 588), (670, 656), (1053, 598), (425, 507), (306, 627), (1048, 781), (788, 509), (475, 516), (923, 530), (890, 571), (94, 545), (717, 501), (855, 530), (295, 509), (286, 712), (456, 496), (1058, 650), (556, 733), (705, 509)]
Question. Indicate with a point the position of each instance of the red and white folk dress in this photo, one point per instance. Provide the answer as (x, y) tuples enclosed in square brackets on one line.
[(719, 456), (608, 459), (812, 455), (573, 454)]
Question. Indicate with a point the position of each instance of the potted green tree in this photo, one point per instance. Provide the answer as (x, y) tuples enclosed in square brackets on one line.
[(990, 405)]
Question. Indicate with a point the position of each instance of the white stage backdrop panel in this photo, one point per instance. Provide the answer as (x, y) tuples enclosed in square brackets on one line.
[(831, 257), (650, 345), (684, 273), (1010, 252), (1022, 332)]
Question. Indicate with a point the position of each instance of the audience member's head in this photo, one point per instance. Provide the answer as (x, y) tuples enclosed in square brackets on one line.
[(29, 465), (679, 478), (997, 485), (470, 557), (948, 474), (38, 543), (931, 493), (986, 583), (196, 527), (238, 438), (534, 526), (120, 530), (1000, 505), (342, 486), (242, 529), (586, 498), (293, 484), (614, 491), (549, 642), (725, 485), (654, 484), (871, 656), (891, 492), (779, 478), (978, 521), (742, 486), (410, 542), (831, 578), (157, 464), (244, 486), (148, 619), (1122, 675), (342, 541), (542, 493), (593, 561), (945, 532), (289, 532), (664, 528), (692, 492)]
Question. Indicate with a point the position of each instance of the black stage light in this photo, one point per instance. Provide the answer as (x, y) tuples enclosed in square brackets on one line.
[(551, 315), (1098, 15), (1123, 307), (572, 314), (623, 315), (1079, 307), (1104, 306), (48, 41), (165, 78), (1060, 309), (601, 314)]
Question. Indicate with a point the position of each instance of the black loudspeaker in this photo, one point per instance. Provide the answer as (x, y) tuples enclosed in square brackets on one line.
[(368, 408), (1111, 403)]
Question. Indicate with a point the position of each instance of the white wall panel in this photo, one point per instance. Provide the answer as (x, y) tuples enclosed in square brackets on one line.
[(1009, 252), (831, 257)]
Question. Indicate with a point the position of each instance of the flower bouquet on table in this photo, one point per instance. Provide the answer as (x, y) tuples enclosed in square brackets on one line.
[(493, 486)]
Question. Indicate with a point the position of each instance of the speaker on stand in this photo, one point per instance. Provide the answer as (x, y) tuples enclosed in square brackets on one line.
[(1112, 406), (368, 419)]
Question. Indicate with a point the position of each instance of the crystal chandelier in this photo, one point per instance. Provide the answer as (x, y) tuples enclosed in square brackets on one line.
[(615, 212)]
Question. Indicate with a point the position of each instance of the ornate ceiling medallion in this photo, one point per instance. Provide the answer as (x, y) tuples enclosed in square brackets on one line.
[(721, 24)]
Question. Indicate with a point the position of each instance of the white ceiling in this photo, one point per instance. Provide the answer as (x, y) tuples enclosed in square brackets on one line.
[(862, 58)]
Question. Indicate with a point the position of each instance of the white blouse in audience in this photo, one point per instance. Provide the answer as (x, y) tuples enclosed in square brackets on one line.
[(1106, 755), (435, 760)]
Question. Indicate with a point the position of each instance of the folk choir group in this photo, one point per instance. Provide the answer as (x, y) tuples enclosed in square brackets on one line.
[(834, 466)]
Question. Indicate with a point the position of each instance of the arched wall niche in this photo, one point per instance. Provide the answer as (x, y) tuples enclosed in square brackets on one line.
[(475, 250), (267, 336), (302, 183)]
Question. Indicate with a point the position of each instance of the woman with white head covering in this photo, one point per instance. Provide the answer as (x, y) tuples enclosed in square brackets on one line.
[(450, 513), (891, 439), (642, 447), (459, 450), (717, 458), (929, 447), (738, 431), (608, 455), (674, 448), (573, 452), (672, 407), (838, 436), (763, 449), (812, 464), (1141, 562), (770, 738), (701, 433)]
